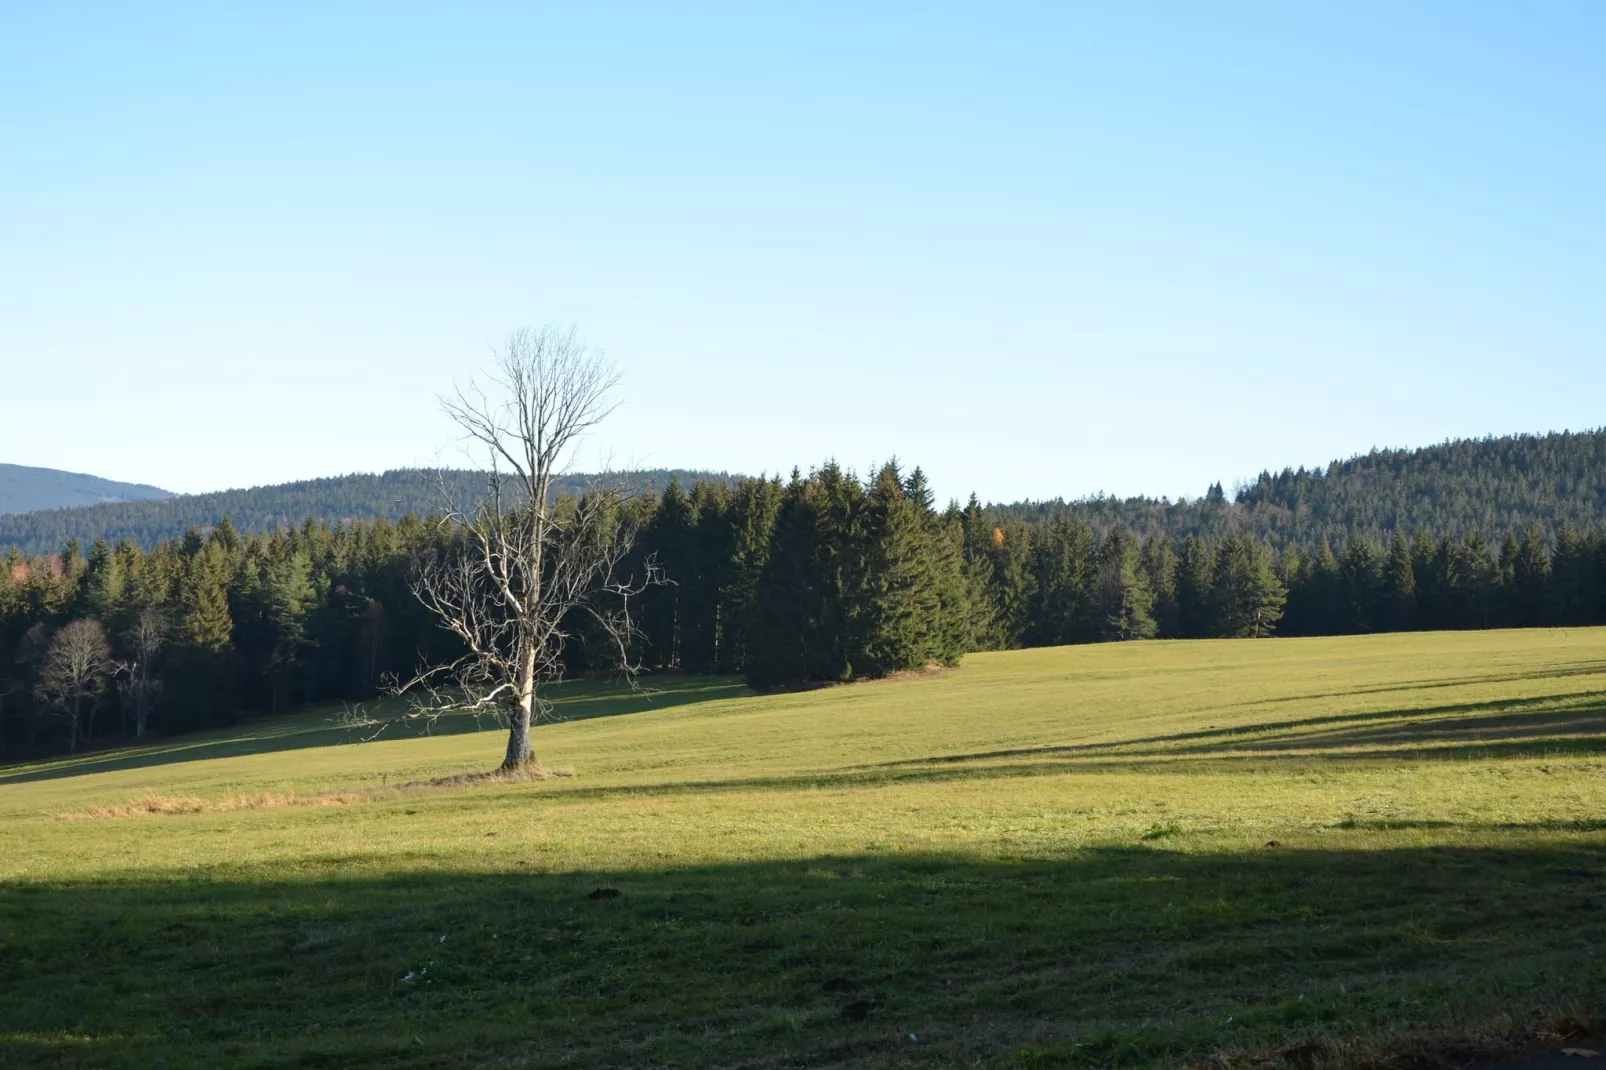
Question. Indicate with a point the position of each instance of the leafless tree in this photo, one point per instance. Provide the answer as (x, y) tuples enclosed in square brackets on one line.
[(523, 568), (137, 676), (73, 675)]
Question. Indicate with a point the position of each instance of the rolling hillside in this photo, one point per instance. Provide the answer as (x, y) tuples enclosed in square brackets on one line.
[(1490, 485), (1364, 851), (23, 489), (364, 496)]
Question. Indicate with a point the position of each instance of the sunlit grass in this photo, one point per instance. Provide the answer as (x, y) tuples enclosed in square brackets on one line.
[(1093, 855)]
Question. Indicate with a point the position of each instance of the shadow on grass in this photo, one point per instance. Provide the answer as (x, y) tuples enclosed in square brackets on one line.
[(1119, 956), (578, 700), (1561, 670), (1570, 722)]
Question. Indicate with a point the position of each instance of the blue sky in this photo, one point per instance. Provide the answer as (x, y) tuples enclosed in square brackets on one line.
[(1038, 250)]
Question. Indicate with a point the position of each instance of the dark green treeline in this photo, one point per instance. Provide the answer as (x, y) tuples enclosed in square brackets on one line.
[(824, 577), (202, 629)]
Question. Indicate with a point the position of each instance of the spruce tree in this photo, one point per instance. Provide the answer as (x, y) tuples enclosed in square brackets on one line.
[(913, 587), (201, 680), (1398, 587), (1124, 601), (104, 581), (1159, 562), (1248, 598), (1529, 581), (1063, 571), (777, 637), (755, 504), (1014, 583), (1572, 596), (1196, 567), (667, 538), (708, 552), (1475, 577), (1360, 587)]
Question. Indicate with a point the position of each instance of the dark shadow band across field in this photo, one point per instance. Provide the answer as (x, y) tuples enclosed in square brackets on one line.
[(1115, 956), (575, 701)]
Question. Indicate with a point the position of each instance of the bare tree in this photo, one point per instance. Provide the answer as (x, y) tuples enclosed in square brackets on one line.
[(137, 676), (522, 568), (74, 673)]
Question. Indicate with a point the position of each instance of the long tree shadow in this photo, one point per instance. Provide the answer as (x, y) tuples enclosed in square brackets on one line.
[(1118, 956), (1581, 667), (1569, 720), (577, 700), (1510, 728)]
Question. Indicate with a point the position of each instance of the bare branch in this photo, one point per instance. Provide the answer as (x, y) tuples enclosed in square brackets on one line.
[(518, 570)]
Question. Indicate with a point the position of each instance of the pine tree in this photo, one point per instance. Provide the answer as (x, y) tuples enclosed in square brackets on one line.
[(668, 538), (1427, 567), (1529, 580), (1159, 563), (708, 548), (903, 605), (754, 507), (1124, 601), (201, 677), (781, 638), (835, 637), (1360, 587), (1248, 597), (1063, 571), (979, 626), (1572, 596), (1196, 568), (1398, 611), (1474, 581), (1014, 584)]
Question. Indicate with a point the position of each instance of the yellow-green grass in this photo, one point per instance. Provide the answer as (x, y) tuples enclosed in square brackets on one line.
[(1135, 854)]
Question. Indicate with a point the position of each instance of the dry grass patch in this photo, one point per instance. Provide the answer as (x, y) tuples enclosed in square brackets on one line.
[(166, 805)]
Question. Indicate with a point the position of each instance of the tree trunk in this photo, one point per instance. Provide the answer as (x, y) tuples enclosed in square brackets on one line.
[(519, 751)]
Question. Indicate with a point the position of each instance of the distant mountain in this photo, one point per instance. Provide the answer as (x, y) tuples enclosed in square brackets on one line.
[(337, 499), (1493, 486), (23, 489)]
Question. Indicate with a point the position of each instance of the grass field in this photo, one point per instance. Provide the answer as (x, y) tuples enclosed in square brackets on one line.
[(1146, 854)]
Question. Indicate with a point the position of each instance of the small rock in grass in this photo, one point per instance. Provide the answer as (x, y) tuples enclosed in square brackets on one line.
[(603, 893)]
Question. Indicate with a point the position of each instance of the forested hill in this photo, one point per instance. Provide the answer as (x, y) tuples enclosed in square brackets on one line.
[(23, 488), (1492, 486), (337, 499)]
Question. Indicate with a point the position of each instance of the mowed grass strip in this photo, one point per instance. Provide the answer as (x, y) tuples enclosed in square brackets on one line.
[(1146, 854)]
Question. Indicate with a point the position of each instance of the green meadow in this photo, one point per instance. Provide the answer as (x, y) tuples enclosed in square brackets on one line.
[(1305, 852)]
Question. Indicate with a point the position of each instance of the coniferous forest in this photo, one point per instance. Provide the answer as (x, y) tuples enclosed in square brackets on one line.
[(818, 578)]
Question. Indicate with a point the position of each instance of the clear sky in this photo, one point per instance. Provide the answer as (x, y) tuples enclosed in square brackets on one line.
[(1038, 250)]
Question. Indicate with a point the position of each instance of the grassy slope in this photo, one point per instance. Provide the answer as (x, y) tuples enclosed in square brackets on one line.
[(1052, 856)]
